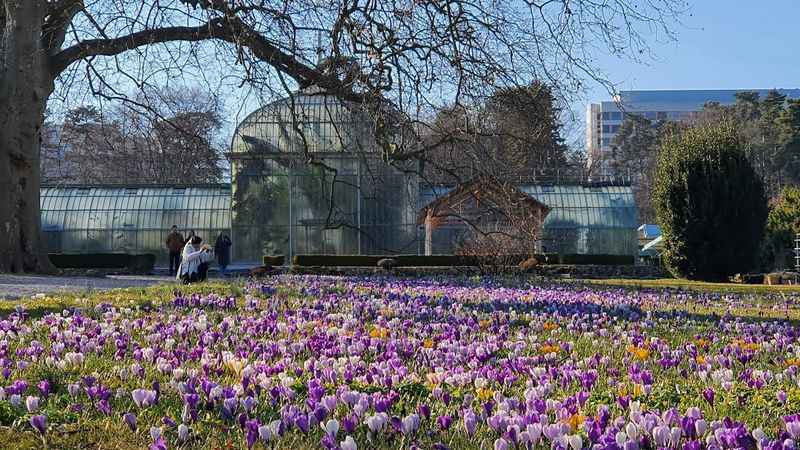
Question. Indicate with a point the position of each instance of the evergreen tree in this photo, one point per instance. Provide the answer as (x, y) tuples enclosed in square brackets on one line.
[(709, 202)]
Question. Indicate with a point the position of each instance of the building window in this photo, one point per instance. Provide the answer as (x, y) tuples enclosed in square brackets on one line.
[(612, 115)]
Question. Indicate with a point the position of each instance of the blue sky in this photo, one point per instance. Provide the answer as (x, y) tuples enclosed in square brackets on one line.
[(721, 44)]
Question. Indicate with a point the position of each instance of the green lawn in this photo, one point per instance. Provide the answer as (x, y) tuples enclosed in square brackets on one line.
[(283, 330), (131, 297), (701, 286)]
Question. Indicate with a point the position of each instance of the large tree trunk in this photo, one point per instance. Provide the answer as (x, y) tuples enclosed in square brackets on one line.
[(25, 85)]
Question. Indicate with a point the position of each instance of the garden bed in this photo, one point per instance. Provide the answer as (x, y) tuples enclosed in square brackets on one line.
[(345, 362)]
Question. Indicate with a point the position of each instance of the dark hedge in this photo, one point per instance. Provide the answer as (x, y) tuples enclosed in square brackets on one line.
[(710, 204)]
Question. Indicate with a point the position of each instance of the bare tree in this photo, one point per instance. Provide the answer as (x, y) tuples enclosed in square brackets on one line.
[(514, 135), (173, 140), (414, 55)]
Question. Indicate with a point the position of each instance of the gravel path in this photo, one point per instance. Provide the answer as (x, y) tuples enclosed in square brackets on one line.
[(17, 286)]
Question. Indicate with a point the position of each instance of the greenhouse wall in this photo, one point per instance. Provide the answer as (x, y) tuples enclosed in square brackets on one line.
[(279, 204), (308, 177), (584, 219), (130, 219), (288, 208)]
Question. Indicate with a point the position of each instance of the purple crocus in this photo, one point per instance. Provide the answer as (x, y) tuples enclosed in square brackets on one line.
[(39, 422), (252, 432), (302, 423), (424, 411), (470, 422), (130, 419), (444, 422), (104, 407), (349, 423), (708, 394), (159, 444), (500, 444), (44, 387)]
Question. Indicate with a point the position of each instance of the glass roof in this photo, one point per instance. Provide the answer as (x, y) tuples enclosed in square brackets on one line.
[(321, 122), (135, 208)]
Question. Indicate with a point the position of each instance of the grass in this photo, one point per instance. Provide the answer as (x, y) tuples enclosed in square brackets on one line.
[(766, 302), (700, 286), (131, 297)]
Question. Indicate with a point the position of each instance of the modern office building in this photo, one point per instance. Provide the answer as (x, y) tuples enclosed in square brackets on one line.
[(604, 119)]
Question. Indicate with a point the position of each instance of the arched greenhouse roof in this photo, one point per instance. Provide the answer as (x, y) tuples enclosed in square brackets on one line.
[(312, 118)]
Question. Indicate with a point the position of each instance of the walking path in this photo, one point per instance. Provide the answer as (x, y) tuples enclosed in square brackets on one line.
[(13, 287), (16, 286)]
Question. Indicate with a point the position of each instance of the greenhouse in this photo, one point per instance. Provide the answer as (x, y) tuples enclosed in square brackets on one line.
[(592, 218), (129, 219), (588, 219), (308, 178)]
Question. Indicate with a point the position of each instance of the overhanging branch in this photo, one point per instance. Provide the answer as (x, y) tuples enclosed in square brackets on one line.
[(228, 29)]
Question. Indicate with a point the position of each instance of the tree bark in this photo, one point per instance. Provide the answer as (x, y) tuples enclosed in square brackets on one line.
[(25, 84)]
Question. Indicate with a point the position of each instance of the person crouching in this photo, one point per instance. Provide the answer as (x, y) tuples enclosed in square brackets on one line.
[(194, 261)]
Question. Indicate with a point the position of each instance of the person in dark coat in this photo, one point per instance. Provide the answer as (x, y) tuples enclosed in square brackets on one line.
[(174, 243), (222, 248), (189, 237)]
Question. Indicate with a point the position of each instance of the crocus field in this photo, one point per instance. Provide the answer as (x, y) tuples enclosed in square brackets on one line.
[(360, 363)]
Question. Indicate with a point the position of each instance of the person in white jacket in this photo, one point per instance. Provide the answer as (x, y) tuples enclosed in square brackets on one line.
[(194, 261)]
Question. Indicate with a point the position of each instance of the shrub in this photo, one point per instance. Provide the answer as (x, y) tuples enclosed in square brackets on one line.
[(455, 260), (372, 260), (709, 202), (435, 260), (133, 263), (278, 260), (783, 222), (141, 263), (599, 260), (336, 260)]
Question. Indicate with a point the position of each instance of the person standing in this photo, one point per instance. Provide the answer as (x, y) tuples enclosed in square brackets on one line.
[(175, 243), (222, 248), (189, 237)]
